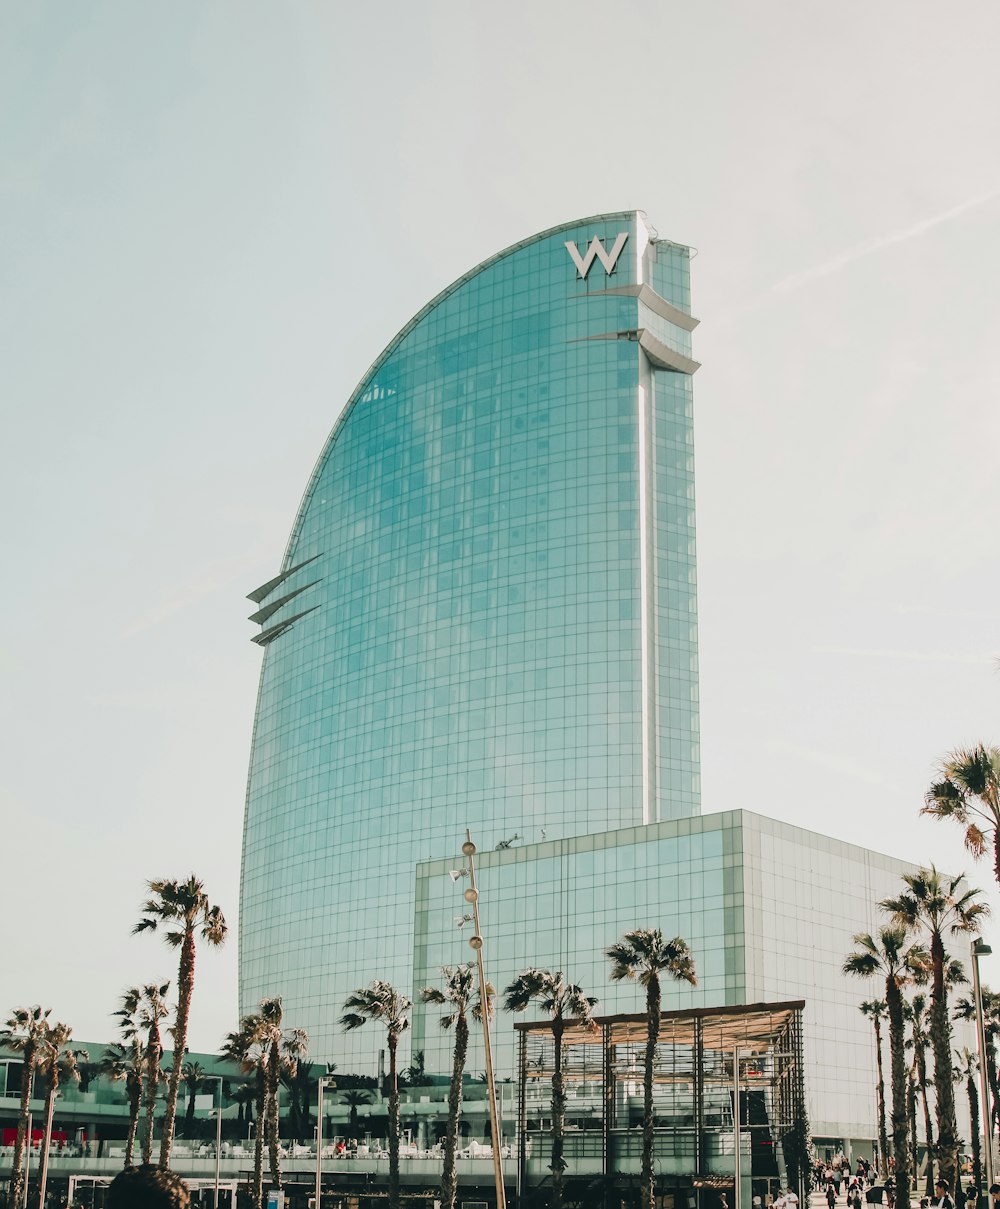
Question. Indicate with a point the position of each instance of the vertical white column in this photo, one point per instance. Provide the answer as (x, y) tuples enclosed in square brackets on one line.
[(647, 619)]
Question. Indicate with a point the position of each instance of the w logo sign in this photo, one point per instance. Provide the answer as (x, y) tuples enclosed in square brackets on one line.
[(597, 251)]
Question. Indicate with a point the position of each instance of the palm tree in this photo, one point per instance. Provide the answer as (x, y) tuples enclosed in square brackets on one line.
[(56, 1061), (181, 908), (644, 955), (299, 1084), (564, 1002), (938, 906), (193, 1075), (965, 1009), (121, 1064), (354, 1098), (382, 1003), (282, 1054), (24, 1032), (140, 1014), (247, 1047), (889, 957), (462, 999), (920, 1041), (874, 1010), (966, 1069), (969, 793)]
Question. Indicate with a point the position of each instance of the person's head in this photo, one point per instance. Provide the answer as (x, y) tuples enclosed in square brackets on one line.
[(147, 1187), (940, 1187), (994, 1190)]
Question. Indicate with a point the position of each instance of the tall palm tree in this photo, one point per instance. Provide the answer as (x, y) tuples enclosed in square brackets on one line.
[(193, 1075), (965, 1009), (354, 1099), (382, 1003), (875, 1010), (282, 1054), (127, 1064), (247, 1047), (181, 909), (140, 1014), (969, 793), (965, 1071), (56, 1062), (920, 1039), (462, 999), (938, 906), (643, 955), (564, 1002), (890, 957), (300, 1084), (24, 1033)]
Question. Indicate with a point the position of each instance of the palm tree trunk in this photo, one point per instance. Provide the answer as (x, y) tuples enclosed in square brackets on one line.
[(911, 1116), (153, 1049), (557, 1165), (50, 1104), (185, 985), (189, 1114), (897, 1054), (928, 1126), (273, 1141), (883, 1139), (449, 1175), (260, 1107), (134, 1107), (991, 1074), (17, 1173), (652, 1036), (393, 1125), (977, 1154), (940, 1028)]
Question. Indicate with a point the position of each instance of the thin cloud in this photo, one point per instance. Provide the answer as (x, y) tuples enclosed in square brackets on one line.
[(212, 579), (831, 762), (909, 656), (870, 246)]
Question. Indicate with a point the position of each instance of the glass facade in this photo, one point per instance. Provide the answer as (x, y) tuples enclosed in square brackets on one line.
[(769, 911), (486, 618), (486, 612)]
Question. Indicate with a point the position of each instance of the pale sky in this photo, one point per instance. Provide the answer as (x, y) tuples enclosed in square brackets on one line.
[(213, 218)]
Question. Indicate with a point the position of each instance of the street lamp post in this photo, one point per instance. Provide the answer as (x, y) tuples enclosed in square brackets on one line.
[(319, 1140), (476, 942), (27, 1163), (981, 949), (217, 1113)]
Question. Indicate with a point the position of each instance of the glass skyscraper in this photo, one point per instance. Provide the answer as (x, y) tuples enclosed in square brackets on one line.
[(486, 618), (486, 612)]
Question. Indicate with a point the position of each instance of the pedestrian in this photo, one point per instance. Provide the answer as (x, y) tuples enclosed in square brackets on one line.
[(994, 1196), (941, 1198), (831, 1196)]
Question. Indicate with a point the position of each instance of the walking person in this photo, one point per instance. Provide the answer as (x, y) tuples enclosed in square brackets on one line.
[(941, 1198)]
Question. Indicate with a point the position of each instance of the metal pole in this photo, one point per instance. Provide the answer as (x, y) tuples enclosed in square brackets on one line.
[(319, 1140), (27, 1163), (979, 949), (472, 896), (218, 1145), (737, 1178)]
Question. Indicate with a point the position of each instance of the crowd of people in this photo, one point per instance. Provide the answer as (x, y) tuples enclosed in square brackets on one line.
[(861, 1186)]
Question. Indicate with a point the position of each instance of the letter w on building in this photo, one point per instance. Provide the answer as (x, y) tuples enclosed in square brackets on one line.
[(597, 251)]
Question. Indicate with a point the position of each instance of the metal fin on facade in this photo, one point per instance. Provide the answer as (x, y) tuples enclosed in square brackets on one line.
[(265, 590), (266, 636), (270, 609)]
